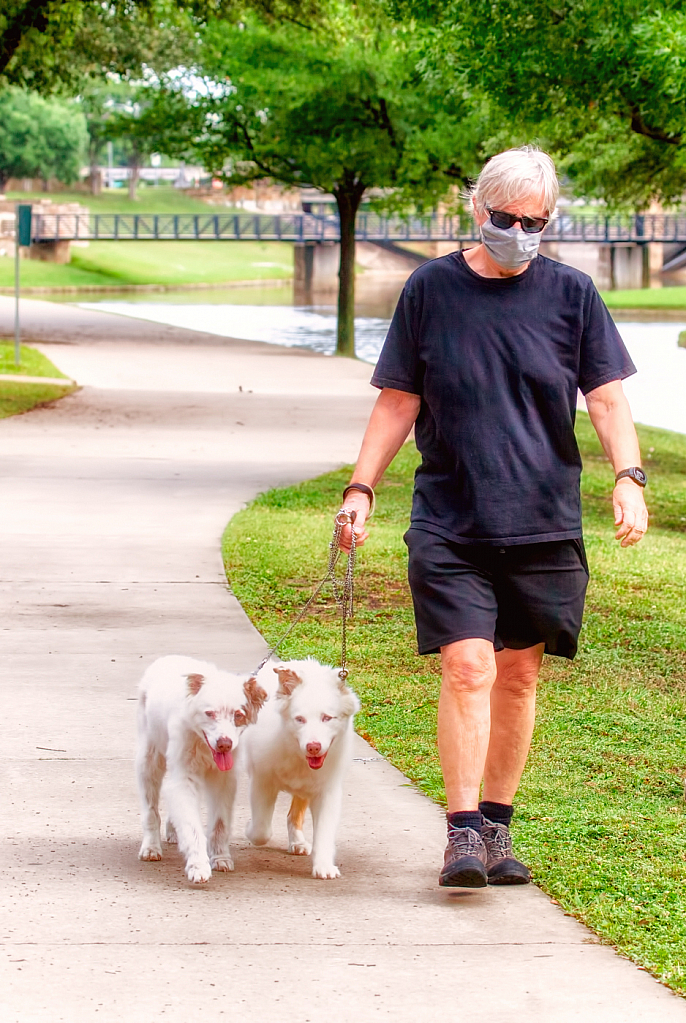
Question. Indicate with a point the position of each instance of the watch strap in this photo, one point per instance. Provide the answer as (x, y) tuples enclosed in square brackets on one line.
[(635, 473), (364, 489)]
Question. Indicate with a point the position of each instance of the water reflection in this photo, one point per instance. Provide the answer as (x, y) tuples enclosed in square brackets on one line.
[(657, 391), (268, 313), (264, 313)]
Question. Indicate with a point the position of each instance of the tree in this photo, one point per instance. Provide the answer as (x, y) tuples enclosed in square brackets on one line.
[(40, 138), (600, 81), (140, 123), (144, 119), (94, 103), (53, 45), (59, 45), (345, 113)]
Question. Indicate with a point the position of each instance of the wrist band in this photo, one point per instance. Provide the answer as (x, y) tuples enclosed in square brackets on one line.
[(634, 473), (364, 489)]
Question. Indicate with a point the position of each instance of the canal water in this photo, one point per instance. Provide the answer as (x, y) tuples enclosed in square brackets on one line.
[(266, 313)]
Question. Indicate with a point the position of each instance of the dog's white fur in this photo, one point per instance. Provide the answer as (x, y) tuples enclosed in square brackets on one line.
[(191, 717), (302, 744)]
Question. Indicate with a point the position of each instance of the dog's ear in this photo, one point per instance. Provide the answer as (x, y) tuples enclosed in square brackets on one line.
[(288, 680), (195, 684), (342, 682), (256, 697), (349, 704)]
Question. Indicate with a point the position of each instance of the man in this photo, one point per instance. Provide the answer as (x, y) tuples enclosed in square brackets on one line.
[(485, 354)]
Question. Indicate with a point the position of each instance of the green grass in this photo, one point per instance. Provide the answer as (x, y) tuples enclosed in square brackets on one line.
[(173, 264), (646, 298), (31, 362), (36, 274), (22, 397), (600, 814), (164, 199)]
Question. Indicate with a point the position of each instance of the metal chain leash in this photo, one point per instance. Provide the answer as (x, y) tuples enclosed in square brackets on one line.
[(344, 597)]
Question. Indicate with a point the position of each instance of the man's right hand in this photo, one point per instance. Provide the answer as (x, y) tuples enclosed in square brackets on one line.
[(391, 421), (358, 502)]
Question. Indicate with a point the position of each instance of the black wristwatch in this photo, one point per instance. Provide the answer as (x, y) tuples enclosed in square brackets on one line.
[(635, 473)]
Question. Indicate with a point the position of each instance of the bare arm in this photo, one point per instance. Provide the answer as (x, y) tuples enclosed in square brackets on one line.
[(610, 414), (389, 424)]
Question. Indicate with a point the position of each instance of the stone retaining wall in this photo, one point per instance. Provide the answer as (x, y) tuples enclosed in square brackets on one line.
[(55, 250)]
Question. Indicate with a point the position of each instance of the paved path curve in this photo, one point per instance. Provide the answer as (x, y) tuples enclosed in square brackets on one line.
[(113, 503)]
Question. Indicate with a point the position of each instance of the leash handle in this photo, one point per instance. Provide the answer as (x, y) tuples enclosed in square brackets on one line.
[(343, 597)]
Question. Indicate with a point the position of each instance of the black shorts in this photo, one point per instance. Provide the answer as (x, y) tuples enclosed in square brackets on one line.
[(514, 597)]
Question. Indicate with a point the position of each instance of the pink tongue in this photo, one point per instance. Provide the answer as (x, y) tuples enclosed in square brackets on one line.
[(315, 762), (224, 761)]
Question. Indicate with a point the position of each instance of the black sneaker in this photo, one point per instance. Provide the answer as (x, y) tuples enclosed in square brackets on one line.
[(464, 861), (501, 865)]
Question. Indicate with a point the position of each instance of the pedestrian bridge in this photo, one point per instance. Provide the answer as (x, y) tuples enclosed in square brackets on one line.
[(314, 228)]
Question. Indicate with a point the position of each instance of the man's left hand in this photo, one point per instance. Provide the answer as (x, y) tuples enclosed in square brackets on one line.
[(631, 514)]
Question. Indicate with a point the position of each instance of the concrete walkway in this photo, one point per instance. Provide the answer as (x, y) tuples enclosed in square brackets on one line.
[(114, 501)]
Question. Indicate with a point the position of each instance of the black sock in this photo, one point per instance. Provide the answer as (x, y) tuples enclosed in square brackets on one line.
[(497, 813), (465, 819)]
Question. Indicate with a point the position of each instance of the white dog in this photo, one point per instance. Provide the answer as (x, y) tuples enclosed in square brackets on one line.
[(302, 744), (191, 717)]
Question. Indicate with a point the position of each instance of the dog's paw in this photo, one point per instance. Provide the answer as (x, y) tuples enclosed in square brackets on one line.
[(150, 852), (170, 833), (326, 873), (299, 848), (198, 873), (222, 862)]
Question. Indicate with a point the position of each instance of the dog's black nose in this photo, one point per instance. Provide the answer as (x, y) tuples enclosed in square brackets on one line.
[(313, 749), (224, 744)]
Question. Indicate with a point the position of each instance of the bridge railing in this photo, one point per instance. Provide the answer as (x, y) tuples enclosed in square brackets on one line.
[(308, 227), (185, 227), (637, 229)]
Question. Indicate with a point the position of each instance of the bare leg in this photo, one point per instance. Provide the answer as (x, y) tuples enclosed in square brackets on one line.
[(464, 719), (513, 710)]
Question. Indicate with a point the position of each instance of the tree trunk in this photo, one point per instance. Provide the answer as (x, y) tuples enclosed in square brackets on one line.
[(95, 176), (348, 201), (133, 180)]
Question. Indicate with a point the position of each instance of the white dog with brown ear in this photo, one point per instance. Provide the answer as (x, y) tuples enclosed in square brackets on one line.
[(302, 744), (191, 717)]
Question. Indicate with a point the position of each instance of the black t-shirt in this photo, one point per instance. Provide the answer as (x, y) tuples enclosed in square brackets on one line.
[(497, 363)]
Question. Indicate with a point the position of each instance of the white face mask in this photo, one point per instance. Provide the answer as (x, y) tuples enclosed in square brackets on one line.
[(511, 248)]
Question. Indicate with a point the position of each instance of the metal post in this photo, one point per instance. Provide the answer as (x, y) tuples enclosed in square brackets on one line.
[(17, 343), (22, 236)]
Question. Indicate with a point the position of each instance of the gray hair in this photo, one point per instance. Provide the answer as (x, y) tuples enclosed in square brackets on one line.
[(515, 176)]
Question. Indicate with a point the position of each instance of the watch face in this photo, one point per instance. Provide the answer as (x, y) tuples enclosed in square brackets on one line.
[(639, 475)]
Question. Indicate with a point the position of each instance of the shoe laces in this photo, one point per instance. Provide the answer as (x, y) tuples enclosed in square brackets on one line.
[(466, 841), (498, 837)]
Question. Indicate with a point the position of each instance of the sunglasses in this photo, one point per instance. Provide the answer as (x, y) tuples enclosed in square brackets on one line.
[(504, 221)]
